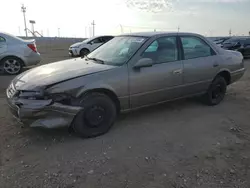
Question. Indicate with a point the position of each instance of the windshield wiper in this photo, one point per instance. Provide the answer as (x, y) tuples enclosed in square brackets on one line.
[(97, 60)]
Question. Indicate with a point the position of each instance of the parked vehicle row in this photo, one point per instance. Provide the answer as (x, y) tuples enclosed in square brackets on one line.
[(128, 72), (16, 53), (241, 44)]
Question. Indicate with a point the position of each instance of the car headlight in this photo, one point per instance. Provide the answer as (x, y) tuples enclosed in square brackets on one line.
[(31, 95), (62, 98), (75, 46)]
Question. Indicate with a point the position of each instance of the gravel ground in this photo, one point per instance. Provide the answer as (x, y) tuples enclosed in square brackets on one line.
[(178, 144)]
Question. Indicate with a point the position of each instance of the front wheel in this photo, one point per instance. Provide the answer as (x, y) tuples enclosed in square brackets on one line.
[(216, 91), (84, 52), (97, 117)]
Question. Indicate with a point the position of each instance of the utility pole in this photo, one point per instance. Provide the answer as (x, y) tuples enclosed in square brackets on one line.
[(121, 28), (19, 29), (93, 25), (230, 32), (23, 9), (86, 32), (58, 32), (178, 29)]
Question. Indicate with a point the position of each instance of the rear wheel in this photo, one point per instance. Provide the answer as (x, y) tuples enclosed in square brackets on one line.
[(84, 52), (97, 117), (216, 91), (12, 65)]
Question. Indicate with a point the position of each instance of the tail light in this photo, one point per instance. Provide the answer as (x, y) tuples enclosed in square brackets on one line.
[(32, 47)]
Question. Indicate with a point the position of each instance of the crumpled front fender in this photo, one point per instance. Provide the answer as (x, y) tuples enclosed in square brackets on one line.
[(43, 113)]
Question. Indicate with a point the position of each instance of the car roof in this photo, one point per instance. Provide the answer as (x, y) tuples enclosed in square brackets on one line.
[(101, 36), (156, 33), (10, 36)]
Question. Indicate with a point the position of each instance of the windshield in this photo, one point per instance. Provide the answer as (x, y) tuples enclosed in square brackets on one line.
[(118, 50), (88, 39)]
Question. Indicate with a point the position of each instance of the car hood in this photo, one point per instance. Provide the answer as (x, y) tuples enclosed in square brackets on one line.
[(76, 44), (53, 73)]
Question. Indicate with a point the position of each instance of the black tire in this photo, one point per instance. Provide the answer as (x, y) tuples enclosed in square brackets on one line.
[(11, 65), (84, 52), (97, 117), (216, 91)]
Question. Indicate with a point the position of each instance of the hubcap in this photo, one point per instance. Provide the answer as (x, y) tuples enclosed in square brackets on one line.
[(94, 116), (12, 66)]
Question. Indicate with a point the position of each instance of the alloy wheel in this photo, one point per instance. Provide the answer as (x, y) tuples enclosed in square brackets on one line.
[(12, 66)]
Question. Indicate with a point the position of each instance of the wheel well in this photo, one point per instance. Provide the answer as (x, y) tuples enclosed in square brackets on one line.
[(110, 94), (85, 49), (11, 56), (226, 75)]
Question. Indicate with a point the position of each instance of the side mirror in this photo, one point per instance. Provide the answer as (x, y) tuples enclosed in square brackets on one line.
[(144, 62)]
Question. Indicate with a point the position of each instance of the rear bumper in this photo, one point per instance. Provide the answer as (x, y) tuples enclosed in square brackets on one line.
[(32, 59), (236, 75), (42, 113)]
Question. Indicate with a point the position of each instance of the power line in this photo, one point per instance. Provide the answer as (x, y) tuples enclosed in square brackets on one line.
[(23, 9)]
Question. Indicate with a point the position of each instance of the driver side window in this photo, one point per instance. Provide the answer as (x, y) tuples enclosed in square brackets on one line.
[(97, 40), (162, 50)]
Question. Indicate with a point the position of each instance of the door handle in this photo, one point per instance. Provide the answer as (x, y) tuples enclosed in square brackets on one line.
[(179, 71)]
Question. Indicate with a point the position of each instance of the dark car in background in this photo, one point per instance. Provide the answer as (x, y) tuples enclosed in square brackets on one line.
[(241, 44), (219, 41)]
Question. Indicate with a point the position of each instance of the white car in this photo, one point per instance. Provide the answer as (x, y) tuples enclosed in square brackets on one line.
[(88, 45), (16, 53)]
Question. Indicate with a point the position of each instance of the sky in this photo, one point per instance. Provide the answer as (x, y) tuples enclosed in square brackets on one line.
[(73, 18)]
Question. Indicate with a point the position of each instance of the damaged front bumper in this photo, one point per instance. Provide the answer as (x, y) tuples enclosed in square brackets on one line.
[(42, 113)]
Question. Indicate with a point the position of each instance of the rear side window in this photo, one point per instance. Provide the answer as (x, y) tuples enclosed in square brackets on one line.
[(2, 39), (194, 47)]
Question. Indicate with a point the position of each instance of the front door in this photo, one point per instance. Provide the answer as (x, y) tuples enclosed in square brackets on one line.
[(162, 81), (95, 43), (3, 45), (201, 64)]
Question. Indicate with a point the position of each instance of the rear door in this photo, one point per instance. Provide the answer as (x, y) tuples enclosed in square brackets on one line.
[(3, 45), (200, 64)]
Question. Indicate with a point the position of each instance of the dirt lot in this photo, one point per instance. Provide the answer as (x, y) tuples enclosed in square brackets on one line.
[(179, 144)]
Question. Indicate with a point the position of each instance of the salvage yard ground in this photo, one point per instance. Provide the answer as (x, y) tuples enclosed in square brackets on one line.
[(178, 144)]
